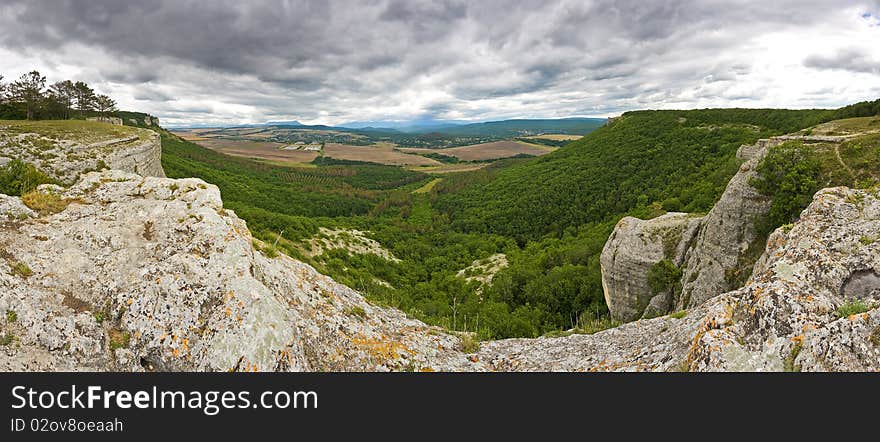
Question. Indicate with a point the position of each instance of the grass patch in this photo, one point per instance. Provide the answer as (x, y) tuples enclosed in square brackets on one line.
[(469, 344), (21, 269), (357, 311), (589, 324), (679, 314), (119, 338), (45, 203), (788, 363), (850, 308), (6, 339), (11, 316)]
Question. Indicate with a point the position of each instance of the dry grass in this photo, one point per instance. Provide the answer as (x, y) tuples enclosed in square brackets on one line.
[(45, 203)]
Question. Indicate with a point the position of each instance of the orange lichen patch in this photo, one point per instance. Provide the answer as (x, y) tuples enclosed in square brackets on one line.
[(380, 349), (185, 344), (427, 370), (175, 352), (130, 301), (799, 339), (857, 316)]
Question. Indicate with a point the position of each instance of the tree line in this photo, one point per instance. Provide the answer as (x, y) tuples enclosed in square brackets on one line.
[(30, 98)]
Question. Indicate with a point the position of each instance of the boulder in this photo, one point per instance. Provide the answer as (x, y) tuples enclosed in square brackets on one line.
[(632, 249)]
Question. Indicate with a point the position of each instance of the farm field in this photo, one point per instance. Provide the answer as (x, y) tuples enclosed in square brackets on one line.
[(382, 153), (262, 150), (554, 137), (495, 150), (448, 168)]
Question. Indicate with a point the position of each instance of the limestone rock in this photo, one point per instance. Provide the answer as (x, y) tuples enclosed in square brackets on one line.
[(109, 120), (11, 209), (66, 154), (631, 250), (728, 242), (143, 273)]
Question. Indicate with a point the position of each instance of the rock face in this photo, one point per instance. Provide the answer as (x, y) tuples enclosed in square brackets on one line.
[(153, 274), (631, 250), (64, 153), (728, 242)]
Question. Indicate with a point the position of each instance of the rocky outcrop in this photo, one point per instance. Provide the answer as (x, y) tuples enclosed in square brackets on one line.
[(632, 249), (153, 274), (728, 242), (110, 120), (788, 317), (65, 150)]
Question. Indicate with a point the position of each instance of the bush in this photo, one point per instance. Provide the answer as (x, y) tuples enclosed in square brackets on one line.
[(663, 276), (18, 178)]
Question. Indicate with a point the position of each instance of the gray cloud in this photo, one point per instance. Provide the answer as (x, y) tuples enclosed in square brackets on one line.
[(332, 61), (849, 59)]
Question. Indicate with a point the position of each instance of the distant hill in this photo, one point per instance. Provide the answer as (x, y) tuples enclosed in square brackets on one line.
[(639, 161), (515, 128)]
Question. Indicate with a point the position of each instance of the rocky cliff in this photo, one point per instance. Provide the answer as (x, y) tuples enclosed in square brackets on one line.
[(719, 253), (64, 150)]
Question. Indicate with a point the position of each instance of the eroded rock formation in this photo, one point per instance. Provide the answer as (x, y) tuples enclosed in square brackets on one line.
[(630, 252)]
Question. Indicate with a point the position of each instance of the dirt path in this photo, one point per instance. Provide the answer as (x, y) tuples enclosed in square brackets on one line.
[(840, 160)]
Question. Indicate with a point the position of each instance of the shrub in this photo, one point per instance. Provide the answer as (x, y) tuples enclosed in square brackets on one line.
[(663, 276), (18, 178), (469, 344)]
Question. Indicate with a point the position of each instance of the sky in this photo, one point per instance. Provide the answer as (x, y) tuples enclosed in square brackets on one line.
[(331, 62)]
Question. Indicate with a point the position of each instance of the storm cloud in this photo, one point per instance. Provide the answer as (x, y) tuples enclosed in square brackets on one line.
[(336, 61)]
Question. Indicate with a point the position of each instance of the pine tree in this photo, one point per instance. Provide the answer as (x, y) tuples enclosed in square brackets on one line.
[(29, 89)]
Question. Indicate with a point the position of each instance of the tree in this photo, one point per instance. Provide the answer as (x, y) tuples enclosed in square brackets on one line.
[(2, 91), (104, 104), (29, 90), (65, 93), (85, 97)]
